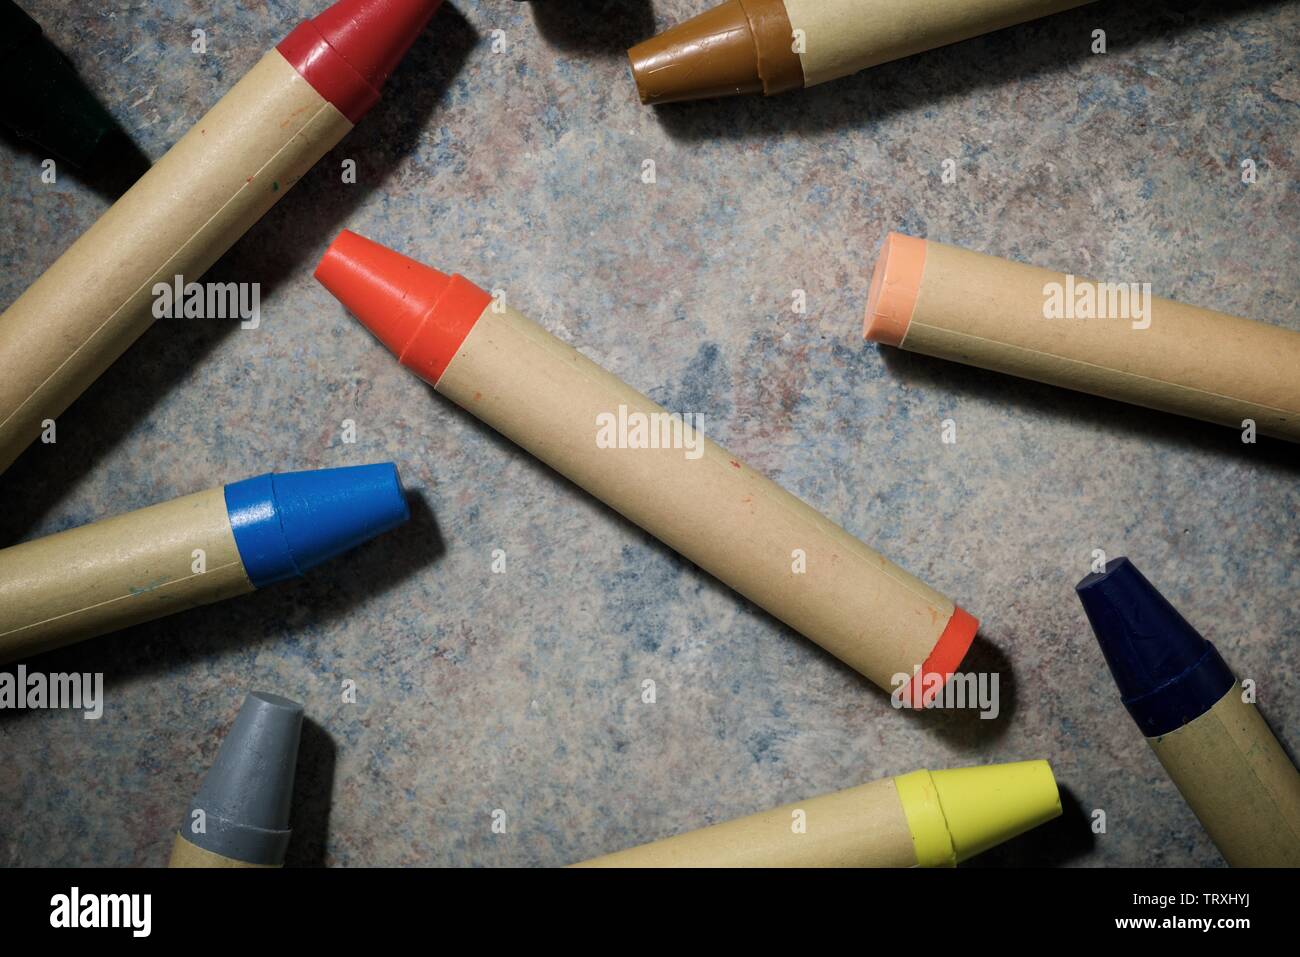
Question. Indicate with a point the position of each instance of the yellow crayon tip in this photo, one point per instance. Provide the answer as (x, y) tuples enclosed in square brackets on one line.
[(954, 815)]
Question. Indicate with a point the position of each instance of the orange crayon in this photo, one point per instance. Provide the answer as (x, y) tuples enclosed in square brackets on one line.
[(705, 503)]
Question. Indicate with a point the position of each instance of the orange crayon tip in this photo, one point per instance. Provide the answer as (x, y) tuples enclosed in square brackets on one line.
[(946, 656), (421, 315)]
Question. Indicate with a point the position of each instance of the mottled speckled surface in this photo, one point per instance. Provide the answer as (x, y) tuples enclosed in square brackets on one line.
[(521, 691)]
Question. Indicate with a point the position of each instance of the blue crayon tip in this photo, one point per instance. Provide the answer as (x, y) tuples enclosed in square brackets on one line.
[(285, 524), (1166, 672)]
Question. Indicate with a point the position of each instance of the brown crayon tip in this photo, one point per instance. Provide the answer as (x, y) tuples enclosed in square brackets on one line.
[(742, 46)]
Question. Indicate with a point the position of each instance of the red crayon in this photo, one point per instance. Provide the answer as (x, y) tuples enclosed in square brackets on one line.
[(216, 182)]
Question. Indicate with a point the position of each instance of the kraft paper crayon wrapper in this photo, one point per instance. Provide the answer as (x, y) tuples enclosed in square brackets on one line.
[(185, 854), (117, 572), (716, 511), (1239, 782), (859, 827), (97, 298), (845, 36), (985, 311)]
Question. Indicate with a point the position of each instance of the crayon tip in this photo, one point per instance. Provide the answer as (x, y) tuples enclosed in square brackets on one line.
[(286, 523), (895, 286), (711, 54), (740, 46), (421, 315), (987, 805), (954, 815), (245, 797), (349, 50), (374, 35), (1167, 673), (945, 657)]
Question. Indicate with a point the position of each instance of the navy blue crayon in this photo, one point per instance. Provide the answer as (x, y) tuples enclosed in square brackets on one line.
[(1210, 738)]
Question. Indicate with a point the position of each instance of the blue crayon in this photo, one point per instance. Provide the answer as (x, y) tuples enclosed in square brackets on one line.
[(1205, 730), (190, 551)]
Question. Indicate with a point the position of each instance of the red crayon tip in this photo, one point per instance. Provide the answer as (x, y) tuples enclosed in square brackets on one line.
[(421, 315), (349, 50)]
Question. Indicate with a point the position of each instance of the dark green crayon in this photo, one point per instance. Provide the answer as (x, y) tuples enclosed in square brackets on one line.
[(43, 101)]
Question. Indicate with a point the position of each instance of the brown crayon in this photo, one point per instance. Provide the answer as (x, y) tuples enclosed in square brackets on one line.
[(770, 46)]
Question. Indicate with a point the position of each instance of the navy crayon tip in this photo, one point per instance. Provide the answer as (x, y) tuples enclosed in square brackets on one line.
[(1167, 673), (246, 796), (287, 523)]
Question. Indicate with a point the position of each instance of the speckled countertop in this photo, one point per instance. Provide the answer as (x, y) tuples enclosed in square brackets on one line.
[(521, 167)]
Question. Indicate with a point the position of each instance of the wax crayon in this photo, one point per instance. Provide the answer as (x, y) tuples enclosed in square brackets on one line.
[(1108, 339), (770, 46), (229, 169), (240, 816), (44, 101), (1211, 740), (722, 515), (190, 551), (922, 819)]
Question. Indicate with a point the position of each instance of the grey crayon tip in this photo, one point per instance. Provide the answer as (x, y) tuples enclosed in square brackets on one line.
[(246, 795)]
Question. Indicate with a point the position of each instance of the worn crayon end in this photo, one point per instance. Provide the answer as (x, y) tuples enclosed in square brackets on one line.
[(741, 46), (895, 285), (1167, 673), (350, 49), (286, 523), (954, 815), (946, 655), (242, 809), (421, 315)]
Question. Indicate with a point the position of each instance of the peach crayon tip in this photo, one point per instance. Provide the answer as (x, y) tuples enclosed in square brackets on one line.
[(895, 285)]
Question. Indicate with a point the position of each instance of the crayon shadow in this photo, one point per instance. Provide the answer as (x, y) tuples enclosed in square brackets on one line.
[(1059, 841), (276, 247), (1015, 54), (1095, 414), (313, 792), (596, 27), (962, 727), (332, 592), (119, 162)]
